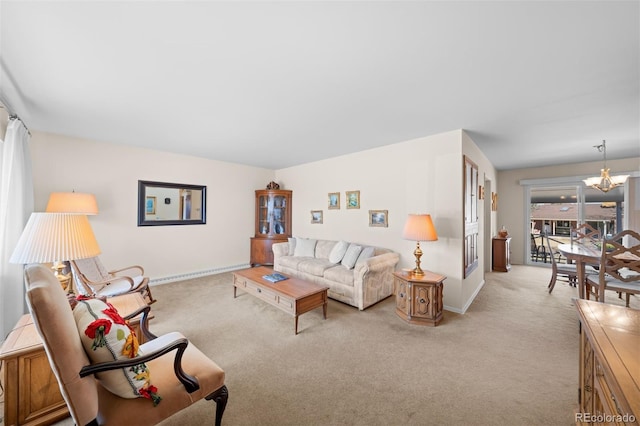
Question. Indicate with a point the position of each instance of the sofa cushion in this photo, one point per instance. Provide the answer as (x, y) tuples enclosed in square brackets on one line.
[(339, 274), (351, 256), (305, 247), (292, 261), (338, 251), (365, 254), (324, 248), (314, 266)]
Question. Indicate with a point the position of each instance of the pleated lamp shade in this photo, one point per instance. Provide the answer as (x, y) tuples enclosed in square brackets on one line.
[(72, 202), (50, 237), (419, 227)]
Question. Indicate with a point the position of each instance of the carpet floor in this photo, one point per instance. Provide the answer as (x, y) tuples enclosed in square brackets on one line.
[(511, 359)]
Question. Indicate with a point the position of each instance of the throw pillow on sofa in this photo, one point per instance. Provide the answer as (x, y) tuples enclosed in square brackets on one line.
[(305, 247), (365, 254), (106, 336), (351, 256), (292, 245), (338, 251)]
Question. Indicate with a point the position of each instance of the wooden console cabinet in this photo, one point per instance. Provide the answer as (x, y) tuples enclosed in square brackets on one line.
[(273, 224), (419, 297), (501, 254), (31, 393), (609, 385)]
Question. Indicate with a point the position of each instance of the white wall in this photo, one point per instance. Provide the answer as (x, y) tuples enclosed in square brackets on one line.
[(418, 176), (511, 203), (111, 172)]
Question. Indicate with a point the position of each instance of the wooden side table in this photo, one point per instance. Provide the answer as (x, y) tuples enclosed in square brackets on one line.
[(501, 254), (419, 297), (32, 395)]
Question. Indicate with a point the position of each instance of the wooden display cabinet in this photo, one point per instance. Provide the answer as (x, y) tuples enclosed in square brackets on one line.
[(419, 297), (501, 254), (272, 223)]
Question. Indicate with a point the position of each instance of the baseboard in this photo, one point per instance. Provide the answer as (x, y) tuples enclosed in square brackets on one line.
[(197, 274), (469, 302)]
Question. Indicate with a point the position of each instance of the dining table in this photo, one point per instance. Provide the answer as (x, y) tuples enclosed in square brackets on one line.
[(582, 254)]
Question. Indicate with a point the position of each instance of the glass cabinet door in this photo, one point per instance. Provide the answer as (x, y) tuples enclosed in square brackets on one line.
[(273, 215)]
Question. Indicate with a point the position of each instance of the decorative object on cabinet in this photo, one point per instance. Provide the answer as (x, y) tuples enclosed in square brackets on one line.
[(501, 254), (378, 218), (608, 364), (419, 297), (189, 207), (605, 182), (470, 208), (334, 200), (353, 199), (272, 223), (316, 216), (419, 227), (503, 233), (273, 185)]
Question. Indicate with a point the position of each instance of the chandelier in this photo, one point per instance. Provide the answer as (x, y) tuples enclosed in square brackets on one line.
[(604, 182)]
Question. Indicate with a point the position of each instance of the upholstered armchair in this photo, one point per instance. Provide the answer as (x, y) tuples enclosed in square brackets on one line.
[(97, 281), (179, 372)]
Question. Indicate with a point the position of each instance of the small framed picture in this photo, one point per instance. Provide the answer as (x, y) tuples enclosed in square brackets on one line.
[(334, 200), (150, 205), (480, 192), (353, 199), (316, 216), (379, 218)]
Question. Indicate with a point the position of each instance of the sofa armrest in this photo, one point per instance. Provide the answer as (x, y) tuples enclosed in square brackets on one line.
[(373, 280), (279, 250)]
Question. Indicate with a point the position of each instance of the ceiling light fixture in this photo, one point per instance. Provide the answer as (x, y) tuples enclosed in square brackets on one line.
[(604, 182)]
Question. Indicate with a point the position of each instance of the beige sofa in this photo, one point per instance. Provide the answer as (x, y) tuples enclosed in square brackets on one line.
[(356, 274)]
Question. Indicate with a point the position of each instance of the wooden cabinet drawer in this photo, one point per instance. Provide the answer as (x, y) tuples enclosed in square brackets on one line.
[(286, 304)]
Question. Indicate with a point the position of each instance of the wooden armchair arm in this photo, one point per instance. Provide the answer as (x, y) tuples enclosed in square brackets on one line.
[(144, 321), (138, 267), (154, 349)]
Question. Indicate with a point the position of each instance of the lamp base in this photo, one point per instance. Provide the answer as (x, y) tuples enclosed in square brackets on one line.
[(418, 254)]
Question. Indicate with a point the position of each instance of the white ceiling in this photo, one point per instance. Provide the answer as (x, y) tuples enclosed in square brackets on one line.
[(276, 84)]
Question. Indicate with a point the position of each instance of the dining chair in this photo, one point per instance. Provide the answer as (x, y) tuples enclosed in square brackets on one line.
[(585, 233), (179, 372), (96, 281), (569, 271), (619, 268)]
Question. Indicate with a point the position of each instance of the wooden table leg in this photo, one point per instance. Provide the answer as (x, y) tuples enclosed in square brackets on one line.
[(581, 279), (296, 324), (324, 309)]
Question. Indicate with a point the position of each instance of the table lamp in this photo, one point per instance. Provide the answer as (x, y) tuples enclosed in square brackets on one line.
[(54, 237), (419, 227)]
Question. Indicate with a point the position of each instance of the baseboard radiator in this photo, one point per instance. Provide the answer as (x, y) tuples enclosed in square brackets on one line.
[(197, 274)]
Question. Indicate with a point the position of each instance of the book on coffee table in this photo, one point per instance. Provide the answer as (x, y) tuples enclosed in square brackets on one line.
[(274, 278)]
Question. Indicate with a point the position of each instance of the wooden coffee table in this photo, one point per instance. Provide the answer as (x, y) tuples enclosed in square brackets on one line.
[(293, 296)]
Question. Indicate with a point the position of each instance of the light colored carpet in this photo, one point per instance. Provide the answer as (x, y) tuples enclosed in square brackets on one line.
[(512, 359)]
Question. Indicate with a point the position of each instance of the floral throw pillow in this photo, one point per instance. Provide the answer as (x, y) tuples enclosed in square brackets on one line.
[(106, 336)]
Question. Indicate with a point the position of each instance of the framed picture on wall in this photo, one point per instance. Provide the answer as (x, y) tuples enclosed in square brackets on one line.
[(379, 218), (334, 200), (316, 216), (150, 205), (353, 199)]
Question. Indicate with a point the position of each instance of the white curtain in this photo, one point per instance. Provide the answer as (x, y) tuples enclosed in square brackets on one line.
[(16, 205)]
